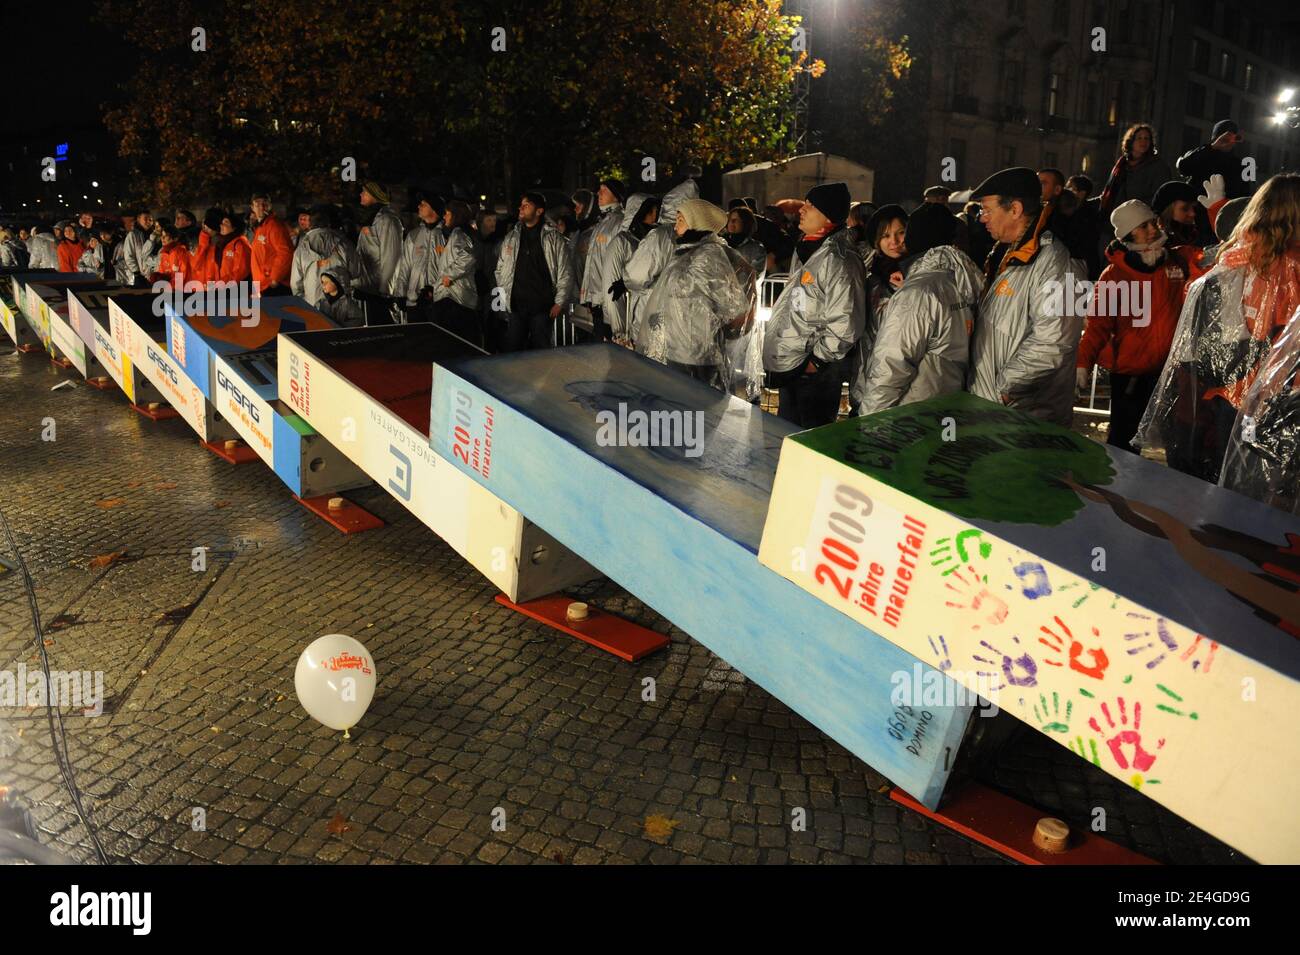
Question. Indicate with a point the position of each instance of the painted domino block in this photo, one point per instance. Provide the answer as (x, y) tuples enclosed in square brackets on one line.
[(13, 295), (677, 522), (34, 293), (1144, 619), (234, 366), (93, 322), (140, 329), (367, 390), (55, 301)]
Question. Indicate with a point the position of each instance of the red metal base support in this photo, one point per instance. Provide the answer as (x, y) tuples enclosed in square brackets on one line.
[(1006, 825), (239, 454), (350, 518), (623, 638), (161, 413)]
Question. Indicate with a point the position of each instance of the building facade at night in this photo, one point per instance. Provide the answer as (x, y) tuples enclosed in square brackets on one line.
[(1037, 96)]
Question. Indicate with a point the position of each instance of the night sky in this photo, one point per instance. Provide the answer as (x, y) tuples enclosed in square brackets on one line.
[(64, 66)]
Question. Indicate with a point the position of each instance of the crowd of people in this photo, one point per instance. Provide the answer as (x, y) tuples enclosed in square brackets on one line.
[(1202, 352)]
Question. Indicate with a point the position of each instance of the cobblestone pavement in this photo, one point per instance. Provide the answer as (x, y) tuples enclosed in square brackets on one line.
[(477, 707)]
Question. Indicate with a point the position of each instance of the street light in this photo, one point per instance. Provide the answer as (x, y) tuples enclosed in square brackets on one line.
[(1290, 115), (94, 184)]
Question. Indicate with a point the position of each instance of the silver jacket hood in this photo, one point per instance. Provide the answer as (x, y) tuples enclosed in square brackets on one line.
[(921, 337)]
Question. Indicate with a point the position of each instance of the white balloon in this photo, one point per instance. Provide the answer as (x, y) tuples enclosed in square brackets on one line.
[(335, 680)]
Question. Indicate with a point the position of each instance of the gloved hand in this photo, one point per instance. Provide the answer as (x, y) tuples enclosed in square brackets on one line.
[(1214, 191), (617, 290), (1082, 379)]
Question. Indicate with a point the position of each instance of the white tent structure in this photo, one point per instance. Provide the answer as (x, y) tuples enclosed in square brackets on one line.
[(791, 179)]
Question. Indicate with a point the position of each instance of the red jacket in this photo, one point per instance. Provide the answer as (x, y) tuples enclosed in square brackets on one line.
[(204, 267), (70, 254), (1114, 341), (236, 260), (174, 264), (272, 252)]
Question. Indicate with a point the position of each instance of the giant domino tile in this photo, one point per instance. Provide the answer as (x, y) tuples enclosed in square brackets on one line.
[(28, 298), (13, 296), (1143, 618), (93, 322), (53, 296), (140, 329), (681, 532), (232, 361), (367, 391)]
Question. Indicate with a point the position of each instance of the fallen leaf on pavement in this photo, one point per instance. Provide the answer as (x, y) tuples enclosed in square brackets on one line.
[(338, 825), (660, 828), (165, 485), (104, 560), (111, 502), (221, 504)]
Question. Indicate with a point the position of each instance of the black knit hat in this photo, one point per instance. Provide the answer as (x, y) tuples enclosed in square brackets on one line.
[(435, 202), (1018, 182), (929, 226), (537, 198), (1169, 193), (616, 187), (831, 199), (212, 218)]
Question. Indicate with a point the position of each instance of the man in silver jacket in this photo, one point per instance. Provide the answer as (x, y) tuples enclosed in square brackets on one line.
[(418, 265), (534, 277), (1023, 352), (141, 250), (379, 246), (821, 313), (921, 338)]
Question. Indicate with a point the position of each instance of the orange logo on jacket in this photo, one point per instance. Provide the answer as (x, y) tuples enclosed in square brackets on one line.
[(806, 278), (1003, 288)]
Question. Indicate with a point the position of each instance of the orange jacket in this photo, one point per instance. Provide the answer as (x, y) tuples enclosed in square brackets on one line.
[(236, 260), (1115, 341), (174, 264), (272, 252), (204, 267), (70, 254)]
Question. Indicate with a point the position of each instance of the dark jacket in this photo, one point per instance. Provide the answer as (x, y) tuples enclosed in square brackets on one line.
[(1199, 164)]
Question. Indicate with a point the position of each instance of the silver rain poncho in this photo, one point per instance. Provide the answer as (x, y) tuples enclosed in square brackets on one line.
[(706, 294), (922, 334), (1263, 454), (1224, 409), (653, 252), (617, 256)]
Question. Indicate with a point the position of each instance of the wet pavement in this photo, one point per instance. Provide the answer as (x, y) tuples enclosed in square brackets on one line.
[(481, 715)]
